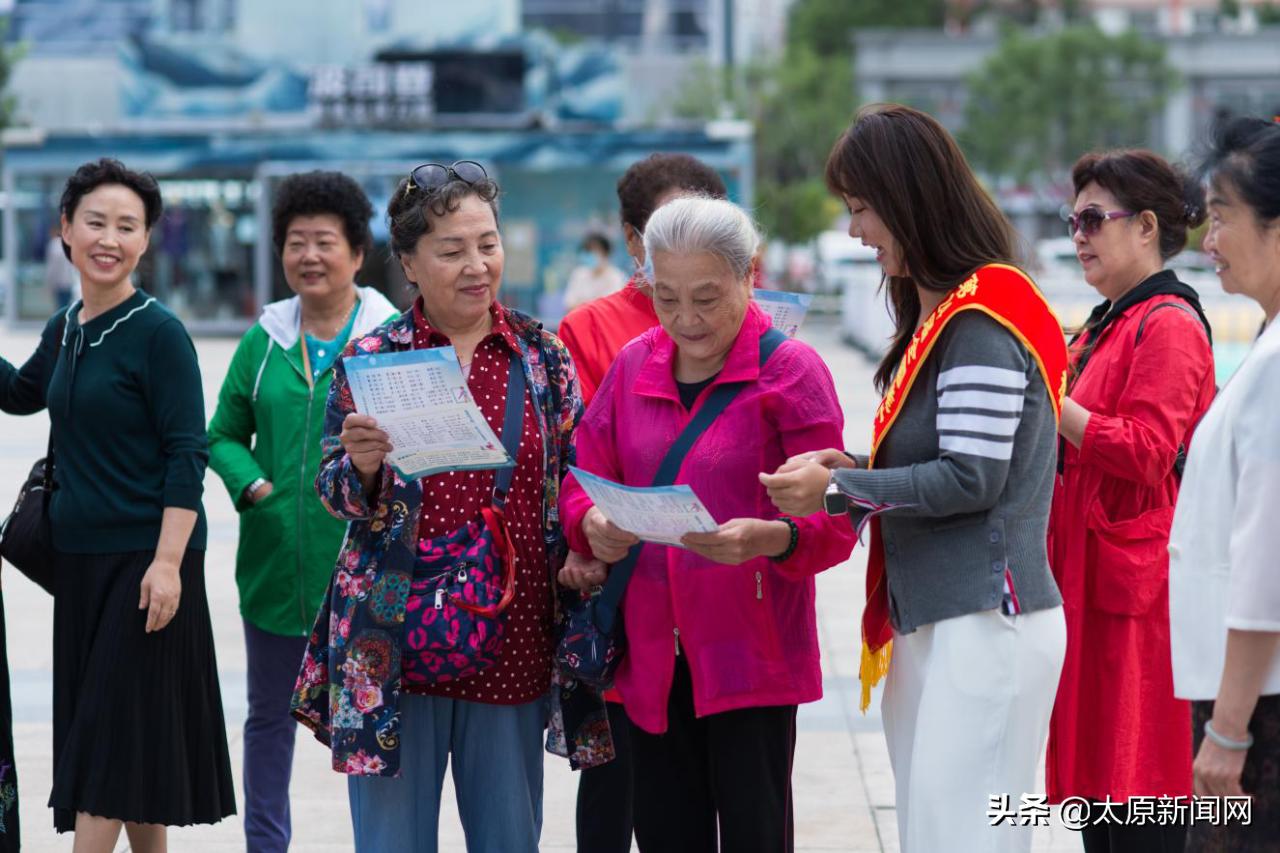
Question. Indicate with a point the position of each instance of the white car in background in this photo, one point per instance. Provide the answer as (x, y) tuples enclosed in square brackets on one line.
[(848, 268)]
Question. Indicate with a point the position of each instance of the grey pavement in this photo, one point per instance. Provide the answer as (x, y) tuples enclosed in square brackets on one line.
[(844, 796)]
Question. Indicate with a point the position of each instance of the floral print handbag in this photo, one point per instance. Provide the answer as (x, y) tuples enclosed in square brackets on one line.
[(464, 581)]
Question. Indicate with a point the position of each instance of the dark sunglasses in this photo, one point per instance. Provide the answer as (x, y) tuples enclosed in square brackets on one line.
[(430, 177), (1089, 220)]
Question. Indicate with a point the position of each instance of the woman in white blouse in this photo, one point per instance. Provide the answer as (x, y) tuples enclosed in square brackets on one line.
[(1224, 570)]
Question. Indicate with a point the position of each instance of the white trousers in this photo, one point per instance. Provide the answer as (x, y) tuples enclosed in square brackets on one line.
[(966, 713)]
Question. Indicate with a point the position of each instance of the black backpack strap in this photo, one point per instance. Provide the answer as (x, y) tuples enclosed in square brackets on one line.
[(513, 420), (717, 401), (1181, 306), (1180, 461)]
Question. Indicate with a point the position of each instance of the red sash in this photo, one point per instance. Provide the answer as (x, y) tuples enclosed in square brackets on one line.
[(1008, 296)]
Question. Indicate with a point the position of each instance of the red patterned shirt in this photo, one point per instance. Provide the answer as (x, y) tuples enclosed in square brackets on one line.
[(450, 500)]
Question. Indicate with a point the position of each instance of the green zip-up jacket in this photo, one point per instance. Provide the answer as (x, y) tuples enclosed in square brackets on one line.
[(268, 424)]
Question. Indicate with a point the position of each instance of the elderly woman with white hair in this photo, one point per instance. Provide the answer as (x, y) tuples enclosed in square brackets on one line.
[(721, 634)]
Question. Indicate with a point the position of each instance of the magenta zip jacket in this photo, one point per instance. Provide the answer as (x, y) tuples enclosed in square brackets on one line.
[(749, 632)]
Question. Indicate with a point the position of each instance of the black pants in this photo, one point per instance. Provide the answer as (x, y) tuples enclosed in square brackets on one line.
[(604, 794), (731, 769), (1115, 837)]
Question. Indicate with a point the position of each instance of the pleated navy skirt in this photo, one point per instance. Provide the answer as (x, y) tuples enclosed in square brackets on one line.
[(138, 731)]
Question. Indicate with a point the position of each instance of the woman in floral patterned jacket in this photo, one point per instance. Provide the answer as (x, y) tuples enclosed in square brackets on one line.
[(364, 689)]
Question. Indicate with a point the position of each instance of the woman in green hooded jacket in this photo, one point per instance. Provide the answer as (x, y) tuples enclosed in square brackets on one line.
[(264, 442)]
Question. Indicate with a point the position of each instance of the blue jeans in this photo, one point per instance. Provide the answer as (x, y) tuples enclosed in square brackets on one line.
[(269, 735), (497, 774)]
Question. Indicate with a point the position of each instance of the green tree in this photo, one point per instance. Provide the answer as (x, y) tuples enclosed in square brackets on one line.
[(9, 56), (808, 104), (799, 104), (1039, 102), (826, 27), (798, 107), (1269, 14)]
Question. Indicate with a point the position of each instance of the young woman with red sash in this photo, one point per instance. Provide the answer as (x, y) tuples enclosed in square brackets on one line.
[(956, 489)]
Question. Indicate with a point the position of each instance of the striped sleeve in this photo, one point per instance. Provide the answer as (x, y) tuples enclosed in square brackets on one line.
[(984, 377), (978, 410)]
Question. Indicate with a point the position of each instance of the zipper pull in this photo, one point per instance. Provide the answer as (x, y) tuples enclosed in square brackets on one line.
[(677, 633), (759, 586), (439, 599)]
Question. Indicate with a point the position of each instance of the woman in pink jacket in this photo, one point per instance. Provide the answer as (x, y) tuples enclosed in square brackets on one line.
[(722, 641)]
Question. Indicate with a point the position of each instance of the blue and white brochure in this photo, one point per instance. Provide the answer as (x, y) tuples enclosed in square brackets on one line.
[(787, 310), (660, 514), (420, 399)]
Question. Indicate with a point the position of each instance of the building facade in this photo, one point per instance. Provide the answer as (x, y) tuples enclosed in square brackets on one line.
[(220, 99)]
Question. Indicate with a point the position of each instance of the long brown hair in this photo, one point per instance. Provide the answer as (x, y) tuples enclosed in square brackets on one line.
[(905, 166)]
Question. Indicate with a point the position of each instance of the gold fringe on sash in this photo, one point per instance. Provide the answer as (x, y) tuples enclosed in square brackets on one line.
[(873, 668)]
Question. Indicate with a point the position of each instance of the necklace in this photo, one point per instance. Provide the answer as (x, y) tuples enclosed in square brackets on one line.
[(318, 331)]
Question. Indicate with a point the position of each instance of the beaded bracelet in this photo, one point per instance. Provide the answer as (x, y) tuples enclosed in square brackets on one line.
[(795, 539)]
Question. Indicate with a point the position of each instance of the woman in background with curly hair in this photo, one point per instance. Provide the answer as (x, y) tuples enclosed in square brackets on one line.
[(264, 442)]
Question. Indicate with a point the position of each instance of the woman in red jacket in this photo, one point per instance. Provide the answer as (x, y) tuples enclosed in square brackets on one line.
[(1142, 375)]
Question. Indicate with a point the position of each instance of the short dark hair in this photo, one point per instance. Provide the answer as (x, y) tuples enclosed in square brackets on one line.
[(1141, 180), (1245, 154), (105, 171), (641, 185), (316, 193), (411, 209), (595, 238)]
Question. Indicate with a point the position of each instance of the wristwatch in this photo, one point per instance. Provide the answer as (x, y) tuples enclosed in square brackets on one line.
[(247, 494), (834, 501)]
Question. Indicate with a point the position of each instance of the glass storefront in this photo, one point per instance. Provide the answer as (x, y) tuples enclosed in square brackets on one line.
[(212, 260), (200, 261)]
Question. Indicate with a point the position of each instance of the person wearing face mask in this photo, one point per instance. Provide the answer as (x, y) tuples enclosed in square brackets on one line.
[(962, 610), (732, 613), (139, 739), (264, 442), (1142, 376), (595, 276), (1224, 588), (594, 333)]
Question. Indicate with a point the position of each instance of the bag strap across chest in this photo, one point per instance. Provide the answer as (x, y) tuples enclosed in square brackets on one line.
[(512, 427), (717, 401)]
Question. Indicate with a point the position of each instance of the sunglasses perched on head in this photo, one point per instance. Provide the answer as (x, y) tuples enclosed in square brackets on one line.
[(430, 177), (1089, 220)]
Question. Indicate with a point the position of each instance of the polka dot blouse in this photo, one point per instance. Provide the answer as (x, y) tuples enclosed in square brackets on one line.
[(450, 500)]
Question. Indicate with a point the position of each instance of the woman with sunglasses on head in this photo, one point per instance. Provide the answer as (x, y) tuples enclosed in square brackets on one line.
[(370, 686), (264, 442), (957, 487), (1142, 375), (1224, 582), (139, 739)]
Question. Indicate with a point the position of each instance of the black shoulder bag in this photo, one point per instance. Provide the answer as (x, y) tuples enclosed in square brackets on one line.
[(26, 537)]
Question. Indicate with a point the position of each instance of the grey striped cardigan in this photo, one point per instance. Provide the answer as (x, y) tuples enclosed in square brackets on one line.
[(967, 471)]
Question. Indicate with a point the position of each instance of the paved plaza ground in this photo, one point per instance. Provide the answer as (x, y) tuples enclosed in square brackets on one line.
[(844, 797)]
